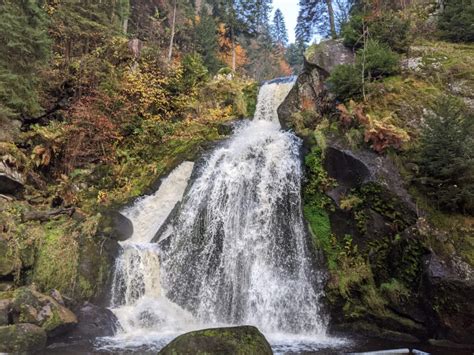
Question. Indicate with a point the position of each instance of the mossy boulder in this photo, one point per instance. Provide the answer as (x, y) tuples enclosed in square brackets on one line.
[(5, 310), (8, 259), (329, 54), (236, 340), (30, 306), (449, 287), (22, 338)]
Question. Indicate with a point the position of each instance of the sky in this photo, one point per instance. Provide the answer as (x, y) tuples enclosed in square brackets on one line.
[(290, 12)]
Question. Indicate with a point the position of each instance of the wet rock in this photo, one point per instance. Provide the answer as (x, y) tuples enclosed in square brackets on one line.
[(450, 292), (329, 54), (94, 322), (36, 308), (5, 310), (116, 225), (235, 340), (22, 338), (373, 331), (11, 181), (226, 128)]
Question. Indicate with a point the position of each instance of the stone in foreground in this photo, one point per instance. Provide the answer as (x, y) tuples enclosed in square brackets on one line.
[(236, 340), (21, 338)]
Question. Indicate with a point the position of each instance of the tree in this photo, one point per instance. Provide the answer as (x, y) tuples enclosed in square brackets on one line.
[(206, 41), (255, 15), (315, 16), (456, 21), (25, 49), (78, 27), (446, 156), (173, 28), (295, 56), (279, 32)]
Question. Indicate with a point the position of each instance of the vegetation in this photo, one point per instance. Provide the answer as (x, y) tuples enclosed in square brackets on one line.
[(446, 156), (455, 21)]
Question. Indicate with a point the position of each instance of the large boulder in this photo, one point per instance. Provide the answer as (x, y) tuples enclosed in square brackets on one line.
[(11, 181), (94, 321), (236, 340), (352, 168), (309, 97), (449, 289), (329, 54), (31, 306), (22, 338)]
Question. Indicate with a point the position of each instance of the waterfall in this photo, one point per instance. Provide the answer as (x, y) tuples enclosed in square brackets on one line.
[(236, 251)]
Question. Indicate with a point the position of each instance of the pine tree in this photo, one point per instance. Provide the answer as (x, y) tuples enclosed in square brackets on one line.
[(315, 16), (206, 41), (25, 48), (295, 56), (255, 15), (446, 156), (279, 32), (78, 27)]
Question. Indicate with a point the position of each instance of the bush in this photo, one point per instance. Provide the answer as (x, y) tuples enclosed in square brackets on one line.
[(380, 60), (345, 82), (456, 22), (388, 28), (194, 70), (446, 156)]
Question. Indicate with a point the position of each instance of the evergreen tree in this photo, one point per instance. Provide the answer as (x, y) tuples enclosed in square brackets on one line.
[(446, 156), (456, 22), (255, 15), (295, 56), (279, 32), (206, 41), (25, 48), (315, 16), (78, 27)]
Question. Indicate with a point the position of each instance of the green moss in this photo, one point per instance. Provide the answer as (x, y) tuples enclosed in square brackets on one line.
[(235, 340), (22, 338), (57, 258)]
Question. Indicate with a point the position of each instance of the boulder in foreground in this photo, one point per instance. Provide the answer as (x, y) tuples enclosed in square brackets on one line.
[(235, 340)]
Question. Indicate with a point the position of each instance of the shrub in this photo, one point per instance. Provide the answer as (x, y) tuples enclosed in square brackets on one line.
[(456, 22), (446, 156), (345, 82), (387, 28), (194, 70), (380, 60)]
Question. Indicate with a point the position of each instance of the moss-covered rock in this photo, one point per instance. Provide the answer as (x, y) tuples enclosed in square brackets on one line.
[(235, 340), (8, 259), (30, 306), (5, 310), (22, 338)]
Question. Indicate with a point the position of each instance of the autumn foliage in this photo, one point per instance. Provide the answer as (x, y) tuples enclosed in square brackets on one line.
[(380, 134)]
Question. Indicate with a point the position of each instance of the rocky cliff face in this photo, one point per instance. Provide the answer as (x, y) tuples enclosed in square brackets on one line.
[(389, 280)]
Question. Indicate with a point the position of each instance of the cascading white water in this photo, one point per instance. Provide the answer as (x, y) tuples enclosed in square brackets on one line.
[(235, 253)]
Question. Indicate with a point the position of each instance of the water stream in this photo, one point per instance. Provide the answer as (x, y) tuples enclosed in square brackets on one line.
[(236, 251)]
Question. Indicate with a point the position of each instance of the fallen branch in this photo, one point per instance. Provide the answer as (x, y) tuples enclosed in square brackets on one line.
[(44, 216)]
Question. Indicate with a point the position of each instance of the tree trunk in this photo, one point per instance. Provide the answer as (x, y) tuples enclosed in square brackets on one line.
[(234, 55), (173, 25), (332, 22)]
